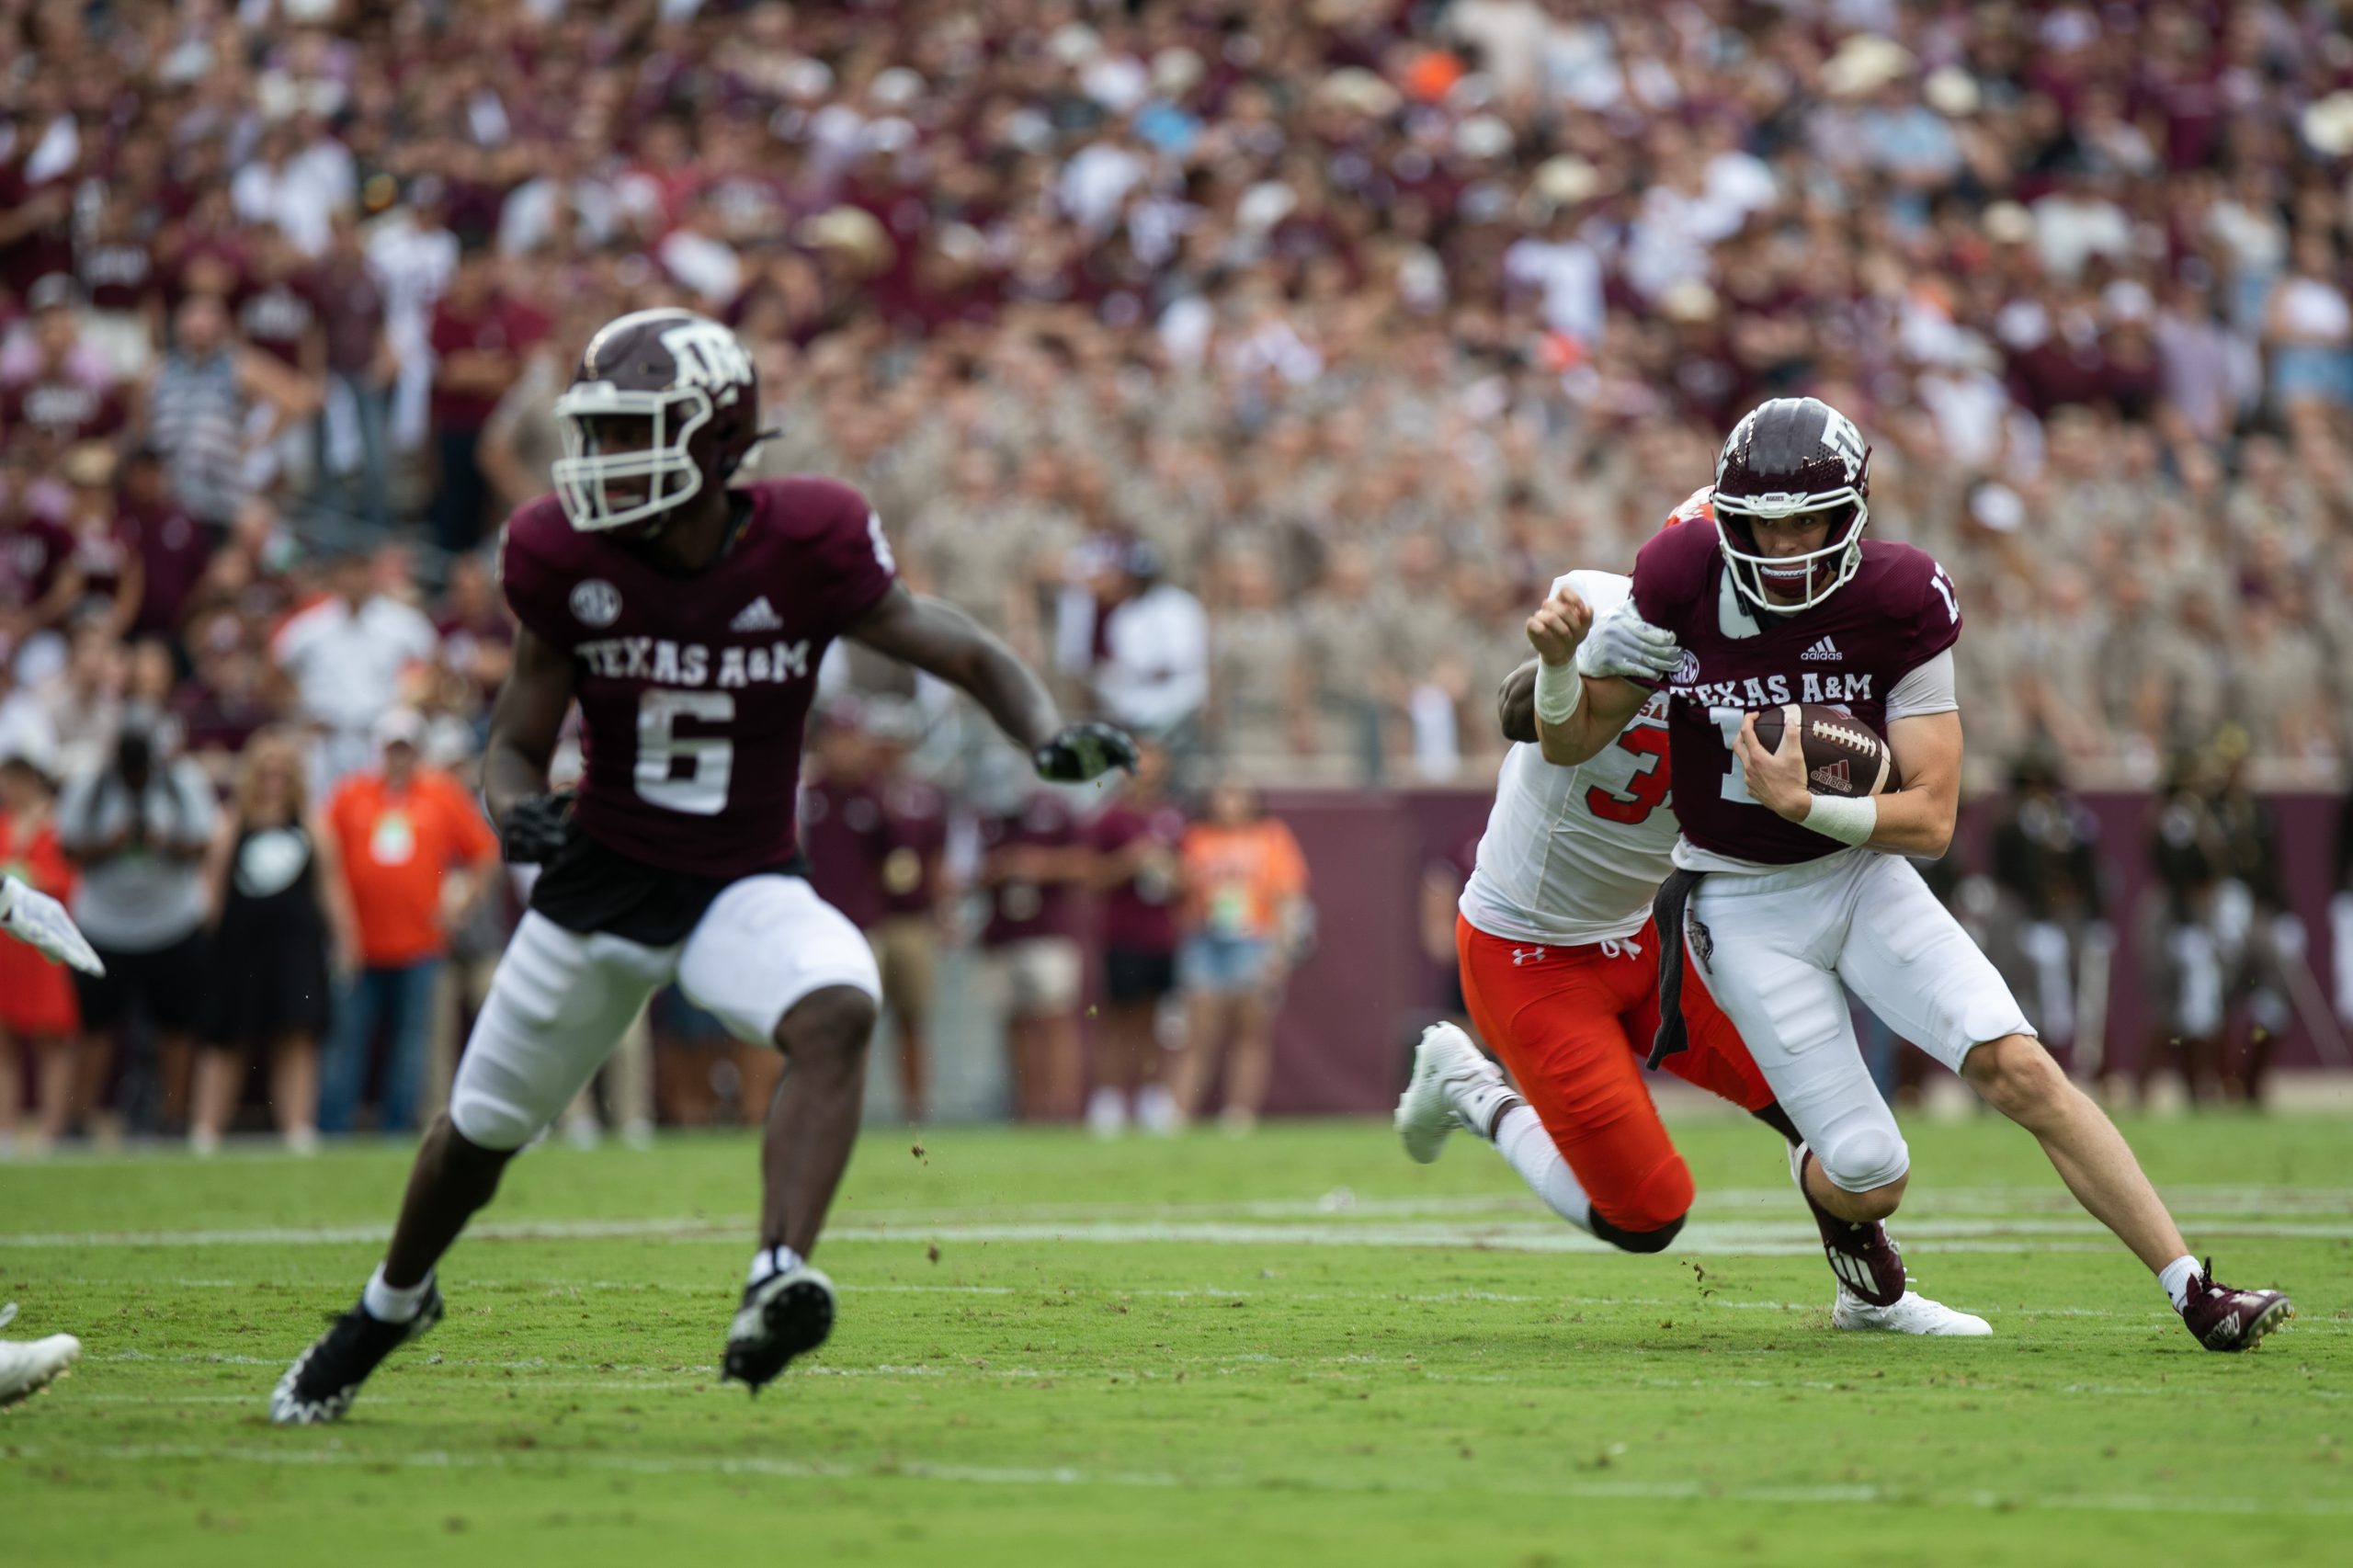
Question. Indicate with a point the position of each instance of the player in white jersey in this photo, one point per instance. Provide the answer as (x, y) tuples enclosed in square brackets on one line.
[(1559, 966)]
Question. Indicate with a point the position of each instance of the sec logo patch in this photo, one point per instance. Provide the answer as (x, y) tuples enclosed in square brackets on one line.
[(595, 602)]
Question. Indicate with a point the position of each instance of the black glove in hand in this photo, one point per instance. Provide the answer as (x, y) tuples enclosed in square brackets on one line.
[(536, 827), (1083, 750)]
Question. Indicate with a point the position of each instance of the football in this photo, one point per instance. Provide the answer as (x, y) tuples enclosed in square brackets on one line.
[(1843, 755)]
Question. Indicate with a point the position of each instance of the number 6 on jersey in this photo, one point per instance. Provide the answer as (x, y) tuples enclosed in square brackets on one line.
[(702, 791)]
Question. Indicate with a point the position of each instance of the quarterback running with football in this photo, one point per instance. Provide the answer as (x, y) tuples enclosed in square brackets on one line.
[(1774, 597), (1556, 948), (687, 618)]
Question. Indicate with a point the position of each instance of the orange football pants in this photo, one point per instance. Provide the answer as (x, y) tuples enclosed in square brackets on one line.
[(1574, 1026)]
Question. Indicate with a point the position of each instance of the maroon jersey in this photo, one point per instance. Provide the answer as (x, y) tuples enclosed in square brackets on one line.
[(63, 407), (174, 550), (119, 275), (33, 550), (694, 690), (1898, 612), (915, 833), (1018, 908), (278, 317), (843, 832), (1140, 914), (100, 549)]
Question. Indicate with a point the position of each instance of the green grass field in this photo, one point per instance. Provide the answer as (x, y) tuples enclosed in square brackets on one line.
[(1297, 1348)]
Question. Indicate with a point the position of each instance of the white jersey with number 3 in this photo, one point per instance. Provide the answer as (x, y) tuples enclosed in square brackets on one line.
[(1571, 856)]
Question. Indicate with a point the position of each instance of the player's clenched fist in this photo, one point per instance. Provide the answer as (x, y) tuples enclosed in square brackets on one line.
[(1559, 624)]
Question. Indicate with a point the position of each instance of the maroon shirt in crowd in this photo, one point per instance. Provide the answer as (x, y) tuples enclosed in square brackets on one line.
[(843, 832), (175, 549), (64, 408), (501, 325), (33, 551), (1140, 914), (118, 275), (915, 833), (1019, 909), (278, 316)]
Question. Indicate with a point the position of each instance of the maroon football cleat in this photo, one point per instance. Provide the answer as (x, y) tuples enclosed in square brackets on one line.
[(2227, 1319), (1864, 1256)]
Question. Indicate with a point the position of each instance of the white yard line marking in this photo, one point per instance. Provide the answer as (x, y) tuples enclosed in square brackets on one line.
[(292, 1455), (1754, 1239)]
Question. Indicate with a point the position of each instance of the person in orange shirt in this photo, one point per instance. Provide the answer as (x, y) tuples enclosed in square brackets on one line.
[(1246, 917), (416, 854), (37, 1002)]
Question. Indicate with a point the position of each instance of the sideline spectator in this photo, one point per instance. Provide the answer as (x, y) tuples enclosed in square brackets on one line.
[(1032, 863), (1137, 841), (136, 824), (1245, 914), (416, 854), (282, 930), (906, 940), (37, 1010), (2045, 861)]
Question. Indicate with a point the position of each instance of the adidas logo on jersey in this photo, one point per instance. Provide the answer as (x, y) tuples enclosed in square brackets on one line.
[(1824, 648), (1832, 777), (760, 616)]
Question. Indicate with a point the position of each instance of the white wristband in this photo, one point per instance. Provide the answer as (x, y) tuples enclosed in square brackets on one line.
[(1559, 689), (1850, 820)]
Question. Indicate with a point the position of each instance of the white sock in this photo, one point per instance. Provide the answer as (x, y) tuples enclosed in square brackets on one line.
[(2175, 1278), (769, 1262), (1477, 1104), (388, 1303), (1520, 1139)]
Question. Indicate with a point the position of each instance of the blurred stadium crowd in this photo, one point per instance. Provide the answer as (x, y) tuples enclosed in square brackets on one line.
[(1251, 367)]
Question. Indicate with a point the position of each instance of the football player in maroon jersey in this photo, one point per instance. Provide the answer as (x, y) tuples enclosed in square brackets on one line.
[(1776, 596), (688, 618)]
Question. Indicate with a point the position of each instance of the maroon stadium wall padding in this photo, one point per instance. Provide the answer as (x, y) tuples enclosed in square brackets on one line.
[(1355, 1007)]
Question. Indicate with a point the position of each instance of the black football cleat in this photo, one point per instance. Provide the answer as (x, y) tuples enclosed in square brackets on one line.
[(326, 1378), (785, 1316), (1864, 1256), (2223, 1318)]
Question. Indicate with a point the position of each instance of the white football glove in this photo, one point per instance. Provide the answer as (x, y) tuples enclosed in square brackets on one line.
[(1623, 644), (35, 917)]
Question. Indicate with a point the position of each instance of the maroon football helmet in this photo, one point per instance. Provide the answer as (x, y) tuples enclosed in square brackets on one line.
[(1792, 457), (665, 404)]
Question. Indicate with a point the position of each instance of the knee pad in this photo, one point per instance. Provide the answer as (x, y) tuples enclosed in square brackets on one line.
[(1637, 1241), (1863, 1152), (1645, 1216), (490, 1123)]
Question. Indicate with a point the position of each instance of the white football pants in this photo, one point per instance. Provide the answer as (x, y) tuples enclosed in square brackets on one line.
[(560, 1000), (1775, 946)]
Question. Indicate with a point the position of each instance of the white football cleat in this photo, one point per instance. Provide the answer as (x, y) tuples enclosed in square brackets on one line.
[(1445, 1061), (1914, 1314), (36, 918), (27, 1367)]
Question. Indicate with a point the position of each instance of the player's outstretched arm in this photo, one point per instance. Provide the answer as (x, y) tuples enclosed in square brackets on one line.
[(1576, 714), (524, 725), (938, 638), (1917, 820)]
